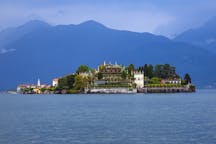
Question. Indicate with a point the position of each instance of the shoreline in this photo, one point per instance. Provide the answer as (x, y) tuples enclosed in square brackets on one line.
[(149, 90)]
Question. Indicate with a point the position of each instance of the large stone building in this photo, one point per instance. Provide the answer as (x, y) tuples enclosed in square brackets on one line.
[(111, 72)]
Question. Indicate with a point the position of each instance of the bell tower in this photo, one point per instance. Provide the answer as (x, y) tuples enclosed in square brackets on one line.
[(38, 83)]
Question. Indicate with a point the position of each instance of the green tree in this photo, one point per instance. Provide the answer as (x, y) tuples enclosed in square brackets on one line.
[(124, 75), (187, 78), (79, 83), (43, 89), (66, 82), (165, 71), (52, 88), (150, 71), (145, 69), (158, 71), (100, 75), (62, 83), (82, 69), (131, 68), (70, 81)]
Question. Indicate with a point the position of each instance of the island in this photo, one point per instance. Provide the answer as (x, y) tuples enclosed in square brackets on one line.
[(114, 78)]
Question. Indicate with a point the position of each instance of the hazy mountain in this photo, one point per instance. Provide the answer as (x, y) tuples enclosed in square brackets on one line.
[(205, 36), (50, 52), (11, 34)]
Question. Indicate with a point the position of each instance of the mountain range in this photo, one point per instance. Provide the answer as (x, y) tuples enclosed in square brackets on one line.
[(39, 50), (204, 36)]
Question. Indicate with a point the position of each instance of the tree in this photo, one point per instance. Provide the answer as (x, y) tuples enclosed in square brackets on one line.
[(124, 75), (62, 83), (79, 84), (83, 69), (131, 68), (150, 71), (100, 75), (66, 82), (165, 71), (158, 71), (70, 81), (145, 69), (187, 78)]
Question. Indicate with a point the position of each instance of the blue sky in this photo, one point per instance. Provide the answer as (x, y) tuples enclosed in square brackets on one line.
[(166, 17)]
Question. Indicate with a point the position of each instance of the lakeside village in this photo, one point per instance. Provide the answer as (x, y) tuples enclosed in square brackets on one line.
[(114, 78)]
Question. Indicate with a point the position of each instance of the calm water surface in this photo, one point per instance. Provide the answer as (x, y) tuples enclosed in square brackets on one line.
[(109, 119)]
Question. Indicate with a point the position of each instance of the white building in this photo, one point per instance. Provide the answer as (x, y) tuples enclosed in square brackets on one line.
[(55, 82), (139, 79), (171, 81)]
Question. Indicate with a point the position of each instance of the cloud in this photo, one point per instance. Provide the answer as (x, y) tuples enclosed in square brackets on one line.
[(3, 50), (189, 15)]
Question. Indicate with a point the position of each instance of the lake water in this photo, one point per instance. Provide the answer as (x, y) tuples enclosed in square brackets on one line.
[(109, 119)]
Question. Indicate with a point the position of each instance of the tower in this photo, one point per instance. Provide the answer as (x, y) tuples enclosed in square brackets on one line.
[(139, 79), (38, 83)]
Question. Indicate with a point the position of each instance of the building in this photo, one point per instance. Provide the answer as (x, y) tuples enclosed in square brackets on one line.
[(171, 81), (45, 86), (55, 82), (37, 90), (32, 88), (139, 79), (22, 87), (111, 72)]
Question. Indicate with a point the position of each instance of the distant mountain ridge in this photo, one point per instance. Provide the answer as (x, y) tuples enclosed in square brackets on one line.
[(204, 36), (12, 34), (49, 51)]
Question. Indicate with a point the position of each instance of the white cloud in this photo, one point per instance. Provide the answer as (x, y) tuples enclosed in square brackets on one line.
[(211, 40), (3, 50)]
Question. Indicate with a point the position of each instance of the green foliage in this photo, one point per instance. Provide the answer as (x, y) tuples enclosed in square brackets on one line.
[(100, 75), (124, 75), (187, 78), (155, 80), (70, 81), (163, 85), (43, 89), (81, 82), (28, 91), (192, 88), (161, 71), (165, 71), (66, 82), (130, 68), (72, 91), (82, 69), (62, 83), (148, 70), (52, 88)]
